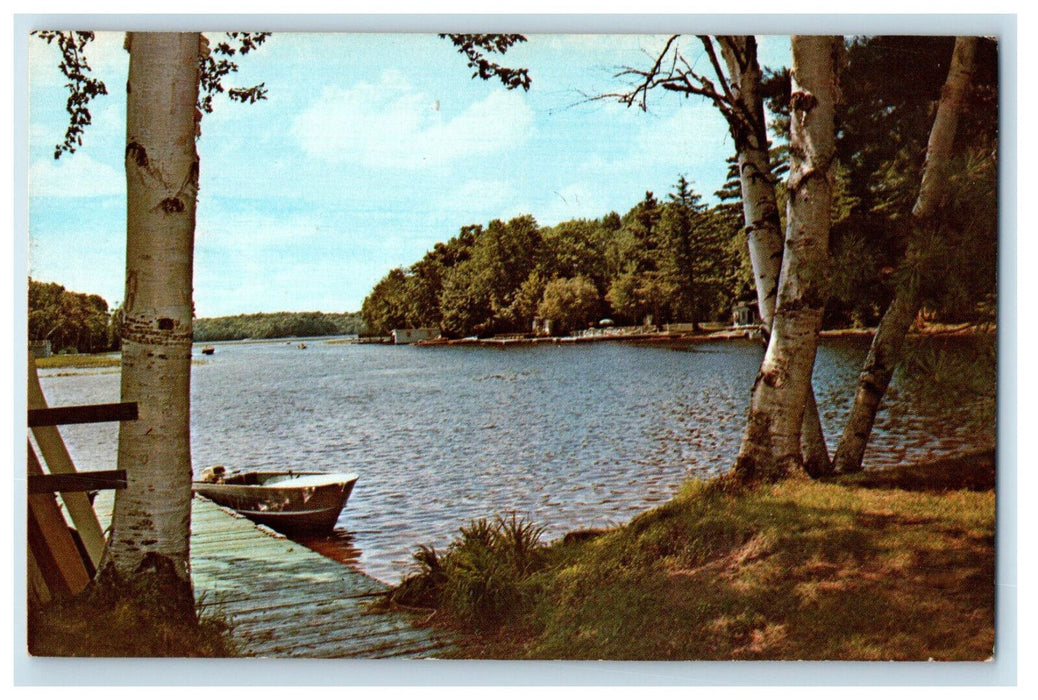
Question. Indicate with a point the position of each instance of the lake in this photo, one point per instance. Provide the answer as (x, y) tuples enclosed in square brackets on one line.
[(570, 436)]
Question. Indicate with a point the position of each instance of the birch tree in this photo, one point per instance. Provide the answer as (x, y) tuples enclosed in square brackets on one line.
[(770, 447), (886, 349), (151, 519), (149, 540), (737, 95)]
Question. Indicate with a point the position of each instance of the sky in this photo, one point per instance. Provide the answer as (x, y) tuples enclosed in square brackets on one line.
[(369, 149)]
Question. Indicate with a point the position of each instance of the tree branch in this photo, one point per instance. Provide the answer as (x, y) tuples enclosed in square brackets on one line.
[(708, 44)]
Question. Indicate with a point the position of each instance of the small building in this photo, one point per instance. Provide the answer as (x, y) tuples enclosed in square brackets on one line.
[(406, 336), (745, 314), (542, 326), (40, 348)]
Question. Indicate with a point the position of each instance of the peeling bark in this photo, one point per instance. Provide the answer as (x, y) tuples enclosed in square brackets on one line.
[(886, 349), (771, 445), (151, 519), (760, 212)]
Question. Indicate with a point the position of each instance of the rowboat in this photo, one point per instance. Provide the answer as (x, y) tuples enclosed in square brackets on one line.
[(291, 502), (208, 350)]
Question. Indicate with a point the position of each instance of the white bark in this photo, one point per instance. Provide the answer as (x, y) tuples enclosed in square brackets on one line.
[(760, 207), (761, 215), (151, 519), (886, 349), (771, 443)]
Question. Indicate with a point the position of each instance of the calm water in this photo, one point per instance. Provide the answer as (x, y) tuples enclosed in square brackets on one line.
[(570, 436)]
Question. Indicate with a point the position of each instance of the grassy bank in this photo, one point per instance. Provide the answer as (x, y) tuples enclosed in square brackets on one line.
[(79, 361), (87, 362), (898, 565)]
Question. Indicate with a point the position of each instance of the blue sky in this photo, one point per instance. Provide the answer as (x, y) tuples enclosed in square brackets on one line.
[(369, 149)]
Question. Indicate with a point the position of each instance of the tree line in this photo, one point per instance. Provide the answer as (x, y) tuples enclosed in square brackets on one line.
[(282, 324), (673, 260), (75, 322)]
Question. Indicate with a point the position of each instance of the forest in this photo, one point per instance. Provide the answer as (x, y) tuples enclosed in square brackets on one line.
[(676, 259)]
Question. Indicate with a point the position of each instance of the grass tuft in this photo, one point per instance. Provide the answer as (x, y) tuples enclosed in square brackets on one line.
[(485, 575)]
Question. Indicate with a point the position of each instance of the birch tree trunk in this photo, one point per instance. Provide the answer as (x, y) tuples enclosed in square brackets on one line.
[(886, 349), (770, 447), (151, 519), (761, 215)]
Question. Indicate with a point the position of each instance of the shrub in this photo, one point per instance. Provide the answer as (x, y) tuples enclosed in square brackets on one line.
[(483, 577)]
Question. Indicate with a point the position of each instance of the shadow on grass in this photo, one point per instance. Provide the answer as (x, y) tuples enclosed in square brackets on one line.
[(974, 471)]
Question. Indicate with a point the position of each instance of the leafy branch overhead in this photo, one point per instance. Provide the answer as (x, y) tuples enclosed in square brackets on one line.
[(476, 46), (215, 65), (82, 88)]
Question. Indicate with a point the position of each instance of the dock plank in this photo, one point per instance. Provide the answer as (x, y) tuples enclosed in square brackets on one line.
[(285, 600)]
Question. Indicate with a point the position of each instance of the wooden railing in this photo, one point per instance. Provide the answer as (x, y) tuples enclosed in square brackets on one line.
[(62, 559)]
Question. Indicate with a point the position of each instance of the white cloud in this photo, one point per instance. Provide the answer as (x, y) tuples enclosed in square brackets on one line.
[(78, 175), (392, 124)]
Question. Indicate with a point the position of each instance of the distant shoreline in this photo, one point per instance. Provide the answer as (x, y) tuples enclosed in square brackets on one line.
[(109, 360), (650, 337)]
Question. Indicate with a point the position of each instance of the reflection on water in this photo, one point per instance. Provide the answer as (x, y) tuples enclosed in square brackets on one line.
[(340, 545), (569, 436)]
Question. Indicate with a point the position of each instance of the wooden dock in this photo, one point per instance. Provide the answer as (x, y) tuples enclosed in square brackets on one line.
[(285, 600)]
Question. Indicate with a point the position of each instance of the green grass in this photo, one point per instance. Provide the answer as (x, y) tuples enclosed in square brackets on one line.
[(85, 361), (849, 569), (79, 361)]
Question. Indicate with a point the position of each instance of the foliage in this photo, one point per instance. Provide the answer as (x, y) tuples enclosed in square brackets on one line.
[(674, 260), (283, 324), (485, 575), (570, 304), (215, 64), (385, 308), (957, 371), (72, 321), (481, 293), (890, 86), (476, 46), (79, 361), (82, 323)]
